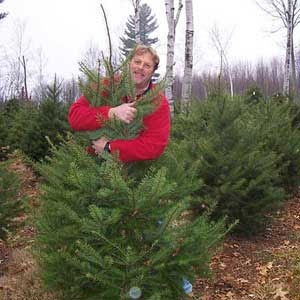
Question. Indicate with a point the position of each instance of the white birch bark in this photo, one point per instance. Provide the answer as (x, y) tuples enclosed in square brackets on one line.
[(287, 64), (188, 65), (172, 22), (288, 11), (137, 9)]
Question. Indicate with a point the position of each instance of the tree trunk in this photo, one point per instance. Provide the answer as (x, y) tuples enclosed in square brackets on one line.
[(287, 65), (25, 96), (293, 63), (188, 66), (172, 22), (137, 21)]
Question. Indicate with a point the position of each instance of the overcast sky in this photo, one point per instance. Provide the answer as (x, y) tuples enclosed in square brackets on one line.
[(63, 29)]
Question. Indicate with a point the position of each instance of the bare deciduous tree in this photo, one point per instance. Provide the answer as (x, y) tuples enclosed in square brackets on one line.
[(20, 69), (172, 20), (288, 11), (188, 65), (12, 54), (221, 43), (288, 55)]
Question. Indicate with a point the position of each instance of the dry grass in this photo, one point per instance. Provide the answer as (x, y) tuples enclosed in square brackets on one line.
[(21, 280)]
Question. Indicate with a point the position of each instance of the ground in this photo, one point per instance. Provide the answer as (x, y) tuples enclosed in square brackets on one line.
[(263, 268)]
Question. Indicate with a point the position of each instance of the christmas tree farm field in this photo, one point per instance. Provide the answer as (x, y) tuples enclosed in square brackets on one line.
[(260, 267)]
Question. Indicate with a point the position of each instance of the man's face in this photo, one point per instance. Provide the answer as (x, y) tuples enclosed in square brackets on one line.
[(142, 69)]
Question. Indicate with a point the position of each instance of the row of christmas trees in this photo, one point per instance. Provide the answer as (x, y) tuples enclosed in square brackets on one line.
[(108, 230)]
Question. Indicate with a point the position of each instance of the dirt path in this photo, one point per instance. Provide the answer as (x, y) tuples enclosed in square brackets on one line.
[(263, 268), (18, 269)]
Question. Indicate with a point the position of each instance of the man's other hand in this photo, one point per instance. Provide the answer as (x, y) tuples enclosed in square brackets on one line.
[(99, 145)]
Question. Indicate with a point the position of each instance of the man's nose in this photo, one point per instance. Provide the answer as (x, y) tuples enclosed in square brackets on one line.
[(141, 66)]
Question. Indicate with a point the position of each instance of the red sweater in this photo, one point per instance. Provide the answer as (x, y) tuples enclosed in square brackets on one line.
[(149, 144)]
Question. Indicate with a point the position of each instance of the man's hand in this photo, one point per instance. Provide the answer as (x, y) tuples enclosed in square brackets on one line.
[(124, 112), (98, 145)]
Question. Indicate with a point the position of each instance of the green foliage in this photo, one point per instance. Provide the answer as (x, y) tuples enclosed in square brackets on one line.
[(148, 24), (10, 203), (28, 124), (280, 98), (253, 95), (277, 125), (9, 109), (241, 174), (19, 124), (50, 122), (102, 230)]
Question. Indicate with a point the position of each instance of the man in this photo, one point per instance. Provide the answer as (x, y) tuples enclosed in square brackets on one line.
[(152, 140)]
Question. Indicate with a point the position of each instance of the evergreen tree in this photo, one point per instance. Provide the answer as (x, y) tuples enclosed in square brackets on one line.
[(253, 95), (109, 230), (10, 205), (148, 24), (9, 109), (240, 173), (35, 123), (50, 122), (20, 120)]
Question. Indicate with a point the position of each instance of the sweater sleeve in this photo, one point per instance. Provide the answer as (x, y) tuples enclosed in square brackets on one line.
[(82, 116), (152, 140)]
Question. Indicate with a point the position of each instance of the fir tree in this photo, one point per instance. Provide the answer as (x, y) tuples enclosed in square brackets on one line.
[(253, 95), (102, 231), (108, 230), (241, 175), (35, 123), (51, 122), (148, 24), (10, 204)]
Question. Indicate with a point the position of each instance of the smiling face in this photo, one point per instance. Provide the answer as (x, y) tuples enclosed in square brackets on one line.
[(142, 69)]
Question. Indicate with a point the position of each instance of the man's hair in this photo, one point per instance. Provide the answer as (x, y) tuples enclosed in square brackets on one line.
[(141, 49)]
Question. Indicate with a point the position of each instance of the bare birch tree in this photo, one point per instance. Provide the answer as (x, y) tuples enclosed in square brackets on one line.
[(188, 65), (288, 11), (137, 7), (287, 64), (172, 20)]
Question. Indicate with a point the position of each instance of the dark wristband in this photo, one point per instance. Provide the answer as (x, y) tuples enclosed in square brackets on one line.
[(107, 147)]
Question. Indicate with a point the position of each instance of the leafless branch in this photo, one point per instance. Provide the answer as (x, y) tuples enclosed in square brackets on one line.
[(178, 12)]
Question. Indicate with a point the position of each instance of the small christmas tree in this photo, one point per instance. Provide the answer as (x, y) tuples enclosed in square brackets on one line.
[(240, 173), (50, 121), (102, 231)]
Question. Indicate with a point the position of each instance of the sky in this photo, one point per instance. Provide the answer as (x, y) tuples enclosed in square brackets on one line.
[(62, 30)]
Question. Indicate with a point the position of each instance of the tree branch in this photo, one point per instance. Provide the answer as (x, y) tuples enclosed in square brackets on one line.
[(178, 12)]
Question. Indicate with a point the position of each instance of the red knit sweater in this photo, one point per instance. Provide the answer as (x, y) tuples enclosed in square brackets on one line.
[(149, 144)]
